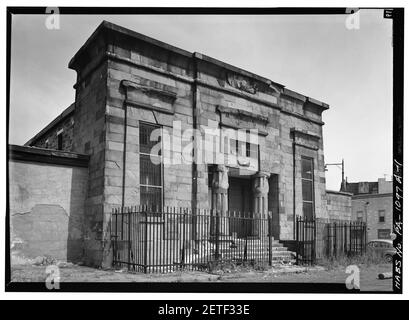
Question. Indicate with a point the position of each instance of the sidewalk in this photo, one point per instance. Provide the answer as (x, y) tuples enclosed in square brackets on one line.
[(279, 273)]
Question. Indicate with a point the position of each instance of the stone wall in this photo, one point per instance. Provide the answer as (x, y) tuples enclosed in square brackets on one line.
[(46, 204), (339, 205), (50, 141)]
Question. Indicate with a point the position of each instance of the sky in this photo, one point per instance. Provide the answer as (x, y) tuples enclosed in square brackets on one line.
[(316, 55)]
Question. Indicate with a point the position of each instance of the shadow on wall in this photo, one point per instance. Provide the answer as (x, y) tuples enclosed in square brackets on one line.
[(76, 225)]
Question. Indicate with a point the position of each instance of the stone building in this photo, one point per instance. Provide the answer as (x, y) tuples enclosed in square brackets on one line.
[(372, 202), (129, 86)]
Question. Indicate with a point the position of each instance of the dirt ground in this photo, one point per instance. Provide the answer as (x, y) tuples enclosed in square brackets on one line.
[(281, 273)]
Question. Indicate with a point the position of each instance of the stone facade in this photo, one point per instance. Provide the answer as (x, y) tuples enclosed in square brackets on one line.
[(48, 137), (126, 80)]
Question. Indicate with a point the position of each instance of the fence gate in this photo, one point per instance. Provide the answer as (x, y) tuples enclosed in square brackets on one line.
[(306, 241), (317, 239)]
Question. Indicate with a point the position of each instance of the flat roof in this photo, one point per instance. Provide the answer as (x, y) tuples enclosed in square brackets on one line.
[(106, 25)]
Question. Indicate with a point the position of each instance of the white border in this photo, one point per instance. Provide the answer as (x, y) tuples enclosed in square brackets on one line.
[(188, 296)]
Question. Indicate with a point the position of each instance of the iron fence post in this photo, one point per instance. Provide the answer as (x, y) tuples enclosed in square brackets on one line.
[(297, 245), (314, 258), (145, 253), (269, 223), (183, 239), (129, 239), (217, 235), (114, 248)]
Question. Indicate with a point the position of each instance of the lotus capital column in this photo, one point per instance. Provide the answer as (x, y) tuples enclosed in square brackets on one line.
[(260, 192)]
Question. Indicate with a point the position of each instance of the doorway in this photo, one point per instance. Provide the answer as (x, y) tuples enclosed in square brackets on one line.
[(240, 206)]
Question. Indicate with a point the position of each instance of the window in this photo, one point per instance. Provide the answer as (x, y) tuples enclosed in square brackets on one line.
[(381, 214), (151, 186), (244, 148), (384, 233), (359, 215), (59, 140), (307, 181)]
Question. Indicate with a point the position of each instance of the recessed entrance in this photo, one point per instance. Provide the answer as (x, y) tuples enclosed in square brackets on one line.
[(240, 195), (240, 204)]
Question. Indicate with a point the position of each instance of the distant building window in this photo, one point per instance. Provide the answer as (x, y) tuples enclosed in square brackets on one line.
[(151, 186), (359, 215), (60, 140), (381, 215), (46, 144), (384, 233), (307, 180)]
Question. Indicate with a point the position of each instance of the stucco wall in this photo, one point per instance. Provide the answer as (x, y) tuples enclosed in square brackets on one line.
[(46, 209)]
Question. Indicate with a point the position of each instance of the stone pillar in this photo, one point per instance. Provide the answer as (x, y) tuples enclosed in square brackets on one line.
[(220, 186), (260, 202)]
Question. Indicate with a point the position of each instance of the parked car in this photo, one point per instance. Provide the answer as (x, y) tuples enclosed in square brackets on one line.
[(383, 247)]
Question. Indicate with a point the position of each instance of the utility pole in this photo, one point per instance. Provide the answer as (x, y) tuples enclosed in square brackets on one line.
[(343, 183)]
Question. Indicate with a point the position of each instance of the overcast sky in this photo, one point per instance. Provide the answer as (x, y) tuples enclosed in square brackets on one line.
[(318, 56)]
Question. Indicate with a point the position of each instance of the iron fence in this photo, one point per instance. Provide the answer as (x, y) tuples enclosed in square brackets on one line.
[(146, 239), (318, 239)]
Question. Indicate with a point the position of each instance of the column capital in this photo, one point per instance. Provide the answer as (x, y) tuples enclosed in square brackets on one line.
[(262, 174), (260, 184), (220, 182)]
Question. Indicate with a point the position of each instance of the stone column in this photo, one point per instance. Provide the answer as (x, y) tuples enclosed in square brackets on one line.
[(260, 201), (220, 186)]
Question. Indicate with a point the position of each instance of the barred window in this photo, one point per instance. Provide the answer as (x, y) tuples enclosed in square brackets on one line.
[(151, 184), (307, 182)]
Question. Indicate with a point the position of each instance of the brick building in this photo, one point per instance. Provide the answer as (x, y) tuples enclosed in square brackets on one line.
[(372, 202), (128, 85)]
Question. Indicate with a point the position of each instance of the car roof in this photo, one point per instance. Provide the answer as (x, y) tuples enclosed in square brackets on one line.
[(382, 240)]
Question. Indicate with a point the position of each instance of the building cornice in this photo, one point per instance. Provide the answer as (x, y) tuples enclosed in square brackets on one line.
[(371, 195), (109, 28), (32, 154)]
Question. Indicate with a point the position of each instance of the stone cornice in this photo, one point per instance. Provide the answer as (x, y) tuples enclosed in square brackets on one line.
[(312, 135), (186, 79), (150, 90), (243, 113), (23, 153)]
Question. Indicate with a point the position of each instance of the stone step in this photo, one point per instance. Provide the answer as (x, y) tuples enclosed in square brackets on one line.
[(256, 252), (261, 250), (259, 244), (286, 255)]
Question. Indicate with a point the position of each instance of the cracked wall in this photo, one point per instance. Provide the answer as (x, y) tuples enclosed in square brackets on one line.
[(46, 210)]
